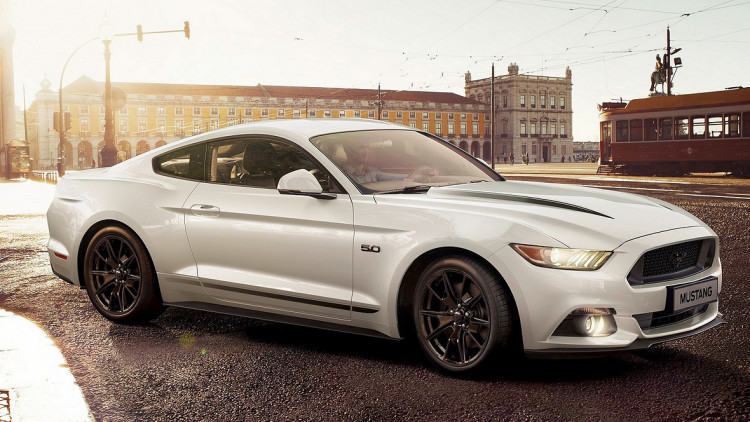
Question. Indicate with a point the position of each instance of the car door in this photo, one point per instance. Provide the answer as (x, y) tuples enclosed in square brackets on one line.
[(265, 250)]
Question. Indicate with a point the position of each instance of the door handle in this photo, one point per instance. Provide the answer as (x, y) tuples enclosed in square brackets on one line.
[(205, 210)]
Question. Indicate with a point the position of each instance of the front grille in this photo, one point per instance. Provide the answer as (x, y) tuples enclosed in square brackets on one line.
[(664, 260), (662, 318), (673, 261)]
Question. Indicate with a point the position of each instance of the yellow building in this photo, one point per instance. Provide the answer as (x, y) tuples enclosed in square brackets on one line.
[(155, 114)]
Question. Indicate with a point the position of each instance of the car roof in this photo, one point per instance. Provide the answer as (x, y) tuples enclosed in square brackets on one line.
[(310, 128)]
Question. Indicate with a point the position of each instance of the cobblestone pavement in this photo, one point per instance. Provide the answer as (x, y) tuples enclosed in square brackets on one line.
[(195, 365)]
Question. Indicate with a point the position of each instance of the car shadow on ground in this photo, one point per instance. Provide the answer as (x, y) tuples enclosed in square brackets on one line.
[(169, 330)]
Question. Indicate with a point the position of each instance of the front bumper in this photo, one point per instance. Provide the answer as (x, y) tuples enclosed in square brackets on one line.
[(639, 344), (545, 297)]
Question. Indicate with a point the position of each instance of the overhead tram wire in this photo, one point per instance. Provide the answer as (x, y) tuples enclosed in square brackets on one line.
[(585, 6), (408, 55)]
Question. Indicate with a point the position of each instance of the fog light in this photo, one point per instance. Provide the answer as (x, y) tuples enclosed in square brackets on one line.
[(594, 325), (588, 322)]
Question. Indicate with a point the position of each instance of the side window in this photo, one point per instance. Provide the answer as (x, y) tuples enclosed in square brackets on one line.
[(187, 162), (260, 163)]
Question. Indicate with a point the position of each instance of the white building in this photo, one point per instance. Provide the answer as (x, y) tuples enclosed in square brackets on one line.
[(532, 114)]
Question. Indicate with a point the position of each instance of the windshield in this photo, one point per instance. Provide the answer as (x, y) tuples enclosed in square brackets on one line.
[(385, 161)]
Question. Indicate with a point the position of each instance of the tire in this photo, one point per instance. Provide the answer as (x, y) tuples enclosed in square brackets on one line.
[(462, 314), (119, 277)]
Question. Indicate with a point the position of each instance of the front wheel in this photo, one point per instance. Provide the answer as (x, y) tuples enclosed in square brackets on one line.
[(462, 314), (119, 277)]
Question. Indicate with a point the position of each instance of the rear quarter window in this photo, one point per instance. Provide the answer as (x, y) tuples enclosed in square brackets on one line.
[(187, 163)]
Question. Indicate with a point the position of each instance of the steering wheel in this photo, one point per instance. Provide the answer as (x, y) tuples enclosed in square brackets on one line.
[(423, 174)]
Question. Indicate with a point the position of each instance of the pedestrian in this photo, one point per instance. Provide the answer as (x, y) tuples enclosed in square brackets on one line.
[(563, 159), (511, 158)]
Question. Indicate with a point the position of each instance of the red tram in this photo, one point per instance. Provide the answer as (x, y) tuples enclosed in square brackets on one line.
[(678, 134)]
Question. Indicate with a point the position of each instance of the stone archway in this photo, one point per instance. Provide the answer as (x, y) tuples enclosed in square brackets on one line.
[(160, 143), (142, 147), (475, 149), (85, 154), (464, 146), (124, 151)]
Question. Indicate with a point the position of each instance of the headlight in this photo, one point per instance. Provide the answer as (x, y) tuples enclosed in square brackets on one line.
[(563, 258)]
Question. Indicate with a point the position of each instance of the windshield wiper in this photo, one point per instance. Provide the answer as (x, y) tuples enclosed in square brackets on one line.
[(408, 189)]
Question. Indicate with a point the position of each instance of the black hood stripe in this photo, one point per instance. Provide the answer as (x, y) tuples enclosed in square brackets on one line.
[(526, 200)]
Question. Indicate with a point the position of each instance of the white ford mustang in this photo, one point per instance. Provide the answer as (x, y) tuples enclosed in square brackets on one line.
[(378, 229)]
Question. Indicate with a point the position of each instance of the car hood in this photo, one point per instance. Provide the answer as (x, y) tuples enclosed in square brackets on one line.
[(576, 216)]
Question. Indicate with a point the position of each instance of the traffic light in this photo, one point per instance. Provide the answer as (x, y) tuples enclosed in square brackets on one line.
[(56, 121), (139, 33), (187, 29)]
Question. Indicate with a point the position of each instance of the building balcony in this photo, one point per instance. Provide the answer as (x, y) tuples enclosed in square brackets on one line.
[(524, 135), (142, 133), (180, 133), (476, 135), (563, 136), (84, 134)]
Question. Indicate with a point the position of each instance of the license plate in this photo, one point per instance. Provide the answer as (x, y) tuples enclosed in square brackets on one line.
[(687, 296)]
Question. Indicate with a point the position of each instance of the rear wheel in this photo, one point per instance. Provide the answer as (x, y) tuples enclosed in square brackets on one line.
[(462, 314), (119, 277)]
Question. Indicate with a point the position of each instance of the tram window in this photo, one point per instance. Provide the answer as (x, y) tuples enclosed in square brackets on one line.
[(606, 132), (731, 125), (698, 127), (665, 129), (636, 130), (622, 130), (746, 125), (649, 129), (681, 128), (715, 126)]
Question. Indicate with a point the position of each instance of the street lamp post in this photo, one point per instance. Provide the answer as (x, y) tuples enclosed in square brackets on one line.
[(109, 150), (106, 34)]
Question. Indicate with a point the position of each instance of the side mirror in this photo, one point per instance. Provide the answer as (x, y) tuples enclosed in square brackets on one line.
[(302, 182)]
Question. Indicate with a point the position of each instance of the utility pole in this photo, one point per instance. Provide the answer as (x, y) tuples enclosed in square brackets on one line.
[(25, 120), (669, 65), (670, 71), (492, 117), (380, 102), (109, 150)]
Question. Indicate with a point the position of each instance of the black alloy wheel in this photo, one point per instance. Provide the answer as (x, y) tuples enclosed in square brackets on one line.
[(119, 277), (461, 314)]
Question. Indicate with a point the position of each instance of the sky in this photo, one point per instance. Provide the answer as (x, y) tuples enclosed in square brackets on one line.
[(610, 45)]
